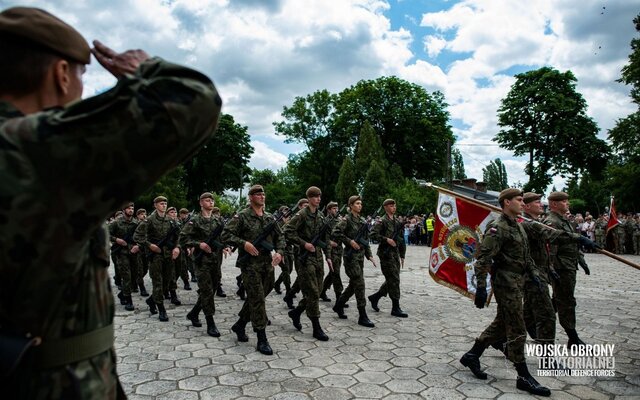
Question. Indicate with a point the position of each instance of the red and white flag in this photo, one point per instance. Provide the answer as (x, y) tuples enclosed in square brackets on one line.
[(458, 232), (613, 217)]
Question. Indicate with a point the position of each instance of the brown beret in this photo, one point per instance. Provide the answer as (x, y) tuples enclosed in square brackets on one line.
[(332, 204), (530, 196), (283, 209), (206, 195), (171, 209), (141, 211), (558, 196), (46, 30), (184, 211), (388, 201), (353, 199), (509, 194), (313, 191), (255, 189), (159, 199), (127, 205), (301, 202), (215, 210)]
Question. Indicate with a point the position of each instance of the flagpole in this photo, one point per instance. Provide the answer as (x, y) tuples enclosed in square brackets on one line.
[(497, 209)]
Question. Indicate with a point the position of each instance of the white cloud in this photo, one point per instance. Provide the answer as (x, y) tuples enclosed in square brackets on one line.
[(264, 157), (434, 44)]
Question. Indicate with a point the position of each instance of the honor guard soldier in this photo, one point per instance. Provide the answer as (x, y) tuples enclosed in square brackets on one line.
[(59, 152), (505, 248)]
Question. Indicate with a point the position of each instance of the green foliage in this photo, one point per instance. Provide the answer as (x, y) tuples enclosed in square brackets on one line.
[(171, 186), (631, 71), (281, 188), (495, 175), (412, 198), (592, 192), (375, 188), (346, 185), (228, 205), (369, 149), (457, 165), (223, 162), (544, 117)]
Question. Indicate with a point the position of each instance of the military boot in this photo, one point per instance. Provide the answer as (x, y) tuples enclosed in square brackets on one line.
[(323, 296), (374, 298), (318, 333), (396, 311), (276, 285), (152, 305), (220, 292), (471, 360), (212, 330), (501, 346), (363, 319), (167, 296), (288, 298), (129, 306), (527, 382), (123, 299), (193, 315), (295, 317), (574, 340), (531, 330), (187, 286), (143, 290), (339, 308), (162, 316), (238, 329), (263, 344), (174, 298)]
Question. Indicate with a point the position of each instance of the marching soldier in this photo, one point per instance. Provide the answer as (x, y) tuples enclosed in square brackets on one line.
[(505, 247), (172, 213), (159, 234), (219, 291), (287, 261), (184, 261), (69, 156), (301, 230), (333, 276), (389, 233), (353, 232), (142, 262), (295, 288), (255, 263), (125, 251)]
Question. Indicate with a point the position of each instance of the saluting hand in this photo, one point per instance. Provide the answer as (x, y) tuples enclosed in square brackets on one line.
[(118, 64)]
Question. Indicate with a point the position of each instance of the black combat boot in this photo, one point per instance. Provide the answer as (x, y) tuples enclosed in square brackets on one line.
[(501, 346), (174, 298), (193, 315), (220, 292), (339, 308), (129, 306), (263, 344), (471, 359), (396, 311), (531, 330), (123, 299), (374, 298), (212, 330), (276, 285), (318, 333), (187, 286), (323, 297), (152, 305), (134, 289), (167, 296), (143, 290), (295, 317), (363, 319), (238, 329), (163, 313), (526, 382), (574, 340), (288, 298)]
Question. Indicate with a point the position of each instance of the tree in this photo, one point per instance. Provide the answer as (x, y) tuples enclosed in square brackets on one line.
[(346, 185), (375, 188), (495, 175), (544, 117), (170, 186), (369, 149), (457, 165), (223, 162), (281, 188)]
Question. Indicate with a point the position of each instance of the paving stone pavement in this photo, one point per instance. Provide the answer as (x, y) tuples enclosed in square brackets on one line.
[(412, 358)]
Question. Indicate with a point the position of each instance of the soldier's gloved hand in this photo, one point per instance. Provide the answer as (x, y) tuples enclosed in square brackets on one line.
[(554, 275), (587, 243), (481, 297), (584, 265)]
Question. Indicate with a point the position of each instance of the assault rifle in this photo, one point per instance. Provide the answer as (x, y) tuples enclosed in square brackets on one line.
[(260, 242), (175, 228), (397, 233), (212, 241), (317, 239), (359, 238), (128, 237)]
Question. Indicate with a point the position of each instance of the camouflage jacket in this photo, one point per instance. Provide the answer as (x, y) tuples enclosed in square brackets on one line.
[(601, 227), (338, 250), (55, 281), (346, 230), (385, 229), (199, 229), (161, 231), (505, 251), (123, 229), (563, 255), (303, 227), (246, 226)]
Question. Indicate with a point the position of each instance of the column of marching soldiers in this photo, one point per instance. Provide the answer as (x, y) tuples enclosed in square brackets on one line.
[(169, 244)]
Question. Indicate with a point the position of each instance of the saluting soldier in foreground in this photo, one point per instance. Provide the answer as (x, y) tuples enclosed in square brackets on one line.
[(60, 153)]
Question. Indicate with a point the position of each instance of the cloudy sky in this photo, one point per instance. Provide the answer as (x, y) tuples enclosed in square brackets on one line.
[(264, 53)]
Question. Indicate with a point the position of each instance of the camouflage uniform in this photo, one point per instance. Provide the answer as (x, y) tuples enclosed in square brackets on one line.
[(256, 271), (333, 277), (390, 256), (70, 159), (286, 266), (620, 233), (600, 232), (123, 228)]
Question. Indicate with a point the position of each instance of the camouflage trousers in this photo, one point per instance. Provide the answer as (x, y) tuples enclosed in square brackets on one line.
[(257, 278), (390, 266), (142, 266), (508, 326), (285, 272), (620, 242), (310, 274), (539, 315), (161, 269), (181, 268), (353, 267), (600, 240), (295, 287), (209, 275), (125, 262), (564, 299), (333, 277)]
